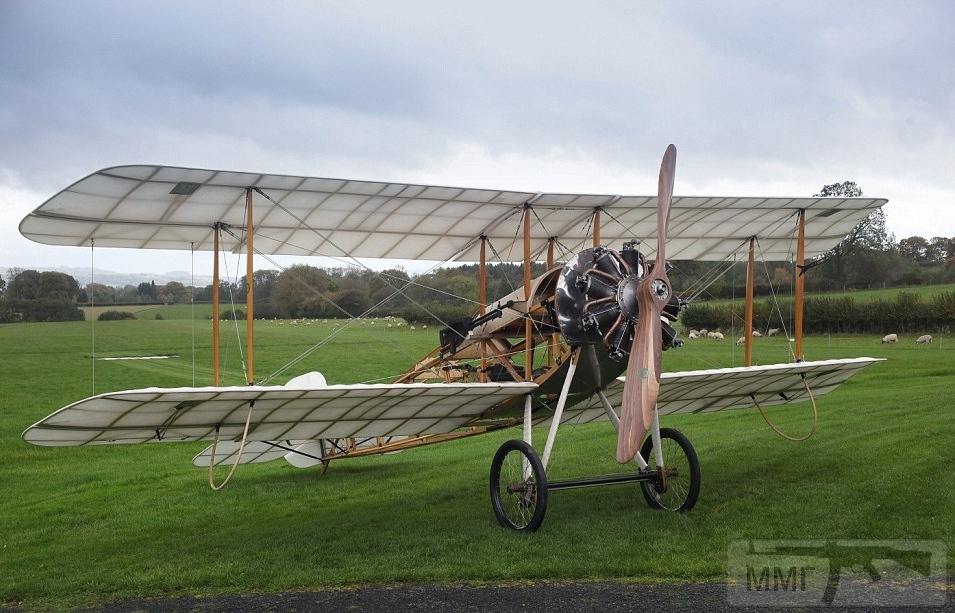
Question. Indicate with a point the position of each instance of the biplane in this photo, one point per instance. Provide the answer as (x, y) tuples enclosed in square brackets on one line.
[(581, 342)]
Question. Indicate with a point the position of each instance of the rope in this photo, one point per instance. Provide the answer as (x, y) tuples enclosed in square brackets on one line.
[(238, 457), (795, 439)]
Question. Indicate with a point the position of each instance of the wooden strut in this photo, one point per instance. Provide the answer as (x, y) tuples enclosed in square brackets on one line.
[(748, 313), (552, 345), (215, 305), (482, 298), (528, 326), (249, 291), (800, 284), (596, 228)]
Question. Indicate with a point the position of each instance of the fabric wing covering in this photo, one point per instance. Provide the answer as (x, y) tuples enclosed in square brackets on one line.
[(697, 391), (160, 207), (280, 413)]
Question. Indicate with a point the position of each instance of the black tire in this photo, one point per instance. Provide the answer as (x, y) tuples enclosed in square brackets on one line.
[(682, 489), (518, 503)]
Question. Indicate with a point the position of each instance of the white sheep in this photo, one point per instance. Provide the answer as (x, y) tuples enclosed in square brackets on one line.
[(696, 332), (704, 332), (890, 338), (925, 339), (389, 325), (716, 336), (693, 334), (756, 334), (412, 328), (740, 341), (773, 332)]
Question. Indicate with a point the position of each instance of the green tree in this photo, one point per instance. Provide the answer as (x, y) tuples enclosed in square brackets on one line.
[(25, 285)]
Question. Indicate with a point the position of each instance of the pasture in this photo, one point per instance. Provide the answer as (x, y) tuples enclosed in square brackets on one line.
[(88, 525), (925, 292)]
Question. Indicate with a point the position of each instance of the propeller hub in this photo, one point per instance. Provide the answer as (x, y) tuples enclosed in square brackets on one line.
[(660, 290)]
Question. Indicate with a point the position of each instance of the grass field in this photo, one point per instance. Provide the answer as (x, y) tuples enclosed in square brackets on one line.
[(87, 525), (889, 293), (149, 311)]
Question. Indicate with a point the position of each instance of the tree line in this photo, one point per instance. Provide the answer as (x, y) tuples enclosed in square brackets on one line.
[(869, 257)]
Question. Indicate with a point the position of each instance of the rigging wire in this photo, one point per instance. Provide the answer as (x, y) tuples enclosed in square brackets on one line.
[(92, 323), (192, 305), (350, 264), (328, 240), (772, 291), (235, 321), (342, 328)]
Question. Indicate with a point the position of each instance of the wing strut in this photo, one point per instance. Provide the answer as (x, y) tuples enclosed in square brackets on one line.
[(249, 293)]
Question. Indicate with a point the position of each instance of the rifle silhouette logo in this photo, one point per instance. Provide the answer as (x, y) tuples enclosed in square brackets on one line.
[(773, 569)]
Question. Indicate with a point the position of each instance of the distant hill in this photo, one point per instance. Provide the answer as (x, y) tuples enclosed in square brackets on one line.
[(120, 279)]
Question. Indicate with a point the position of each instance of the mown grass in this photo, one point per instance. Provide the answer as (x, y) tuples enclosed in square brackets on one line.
[(150, 311), (87, 525)]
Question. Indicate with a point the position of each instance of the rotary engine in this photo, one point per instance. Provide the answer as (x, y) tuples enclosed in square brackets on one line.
[(596, 300)]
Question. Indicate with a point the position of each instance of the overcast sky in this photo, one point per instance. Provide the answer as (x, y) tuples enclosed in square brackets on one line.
[(761, 98)]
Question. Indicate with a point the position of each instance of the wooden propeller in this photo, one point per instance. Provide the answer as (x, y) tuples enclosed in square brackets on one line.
[(642, 386)]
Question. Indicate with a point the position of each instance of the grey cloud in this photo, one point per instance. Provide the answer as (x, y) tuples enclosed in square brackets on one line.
[(809, 89)]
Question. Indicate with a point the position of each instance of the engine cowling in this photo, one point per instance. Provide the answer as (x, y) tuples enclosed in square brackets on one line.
[(596, 300)]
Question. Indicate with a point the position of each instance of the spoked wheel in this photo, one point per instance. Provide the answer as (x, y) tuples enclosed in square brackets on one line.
[(679, 486), (518, 487)]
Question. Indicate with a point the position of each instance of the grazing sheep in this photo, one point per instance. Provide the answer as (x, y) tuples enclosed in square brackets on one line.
[(696, 332), (890, 338), (704, 332), (716, 336), (424, 327), (756, 334), (389, 325), (412, 328), (740, 341), (773, 332), (693, 334), (925, 339)]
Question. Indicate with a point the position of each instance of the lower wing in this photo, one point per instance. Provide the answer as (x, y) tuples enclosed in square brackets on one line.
[(275, 413), (697, 391)]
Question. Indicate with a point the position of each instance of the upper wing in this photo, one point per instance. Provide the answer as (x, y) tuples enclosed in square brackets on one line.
[(163, 207), (696, 391), (279, 413)]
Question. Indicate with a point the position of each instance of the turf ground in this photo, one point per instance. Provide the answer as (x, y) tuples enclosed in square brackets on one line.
[(87, 525)]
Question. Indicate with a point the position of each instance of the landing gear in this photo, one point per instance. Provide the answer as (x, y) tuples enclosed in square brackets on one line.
[(667, 468), (676, 486), (518, 487)]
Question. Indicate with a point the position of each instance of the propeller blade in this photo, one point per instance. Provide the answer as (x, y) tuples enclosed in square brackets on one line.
[(642, 385)]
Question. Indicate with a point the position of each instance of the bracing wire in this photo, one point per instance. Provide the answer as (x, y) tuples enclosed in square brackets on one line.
[(352, 319), (92, 323), (235, 321), (192, 305), (351, 257), (772, 291)]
